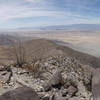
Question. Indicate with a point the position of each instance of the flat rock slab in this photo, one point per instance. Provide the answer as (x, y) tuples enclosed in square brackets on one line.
[(21, 93), (96, 84)]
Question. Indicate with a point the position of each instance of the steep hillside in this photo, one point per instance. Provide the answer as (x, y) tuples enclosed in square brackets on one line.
[(82, 57), (40, 48), (44, 48), (7, 39), (62, 73), (10, 39)]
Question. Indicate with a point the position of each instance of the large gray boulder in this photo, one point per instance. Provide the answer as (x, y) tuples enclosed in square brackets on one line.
[(72, 91), (96, 84), (55, 81), (21, 93), (5, 74)]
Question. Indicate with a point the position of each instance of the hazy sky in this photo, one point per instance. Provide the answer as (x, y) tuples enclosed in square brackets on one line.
[(33, 13)]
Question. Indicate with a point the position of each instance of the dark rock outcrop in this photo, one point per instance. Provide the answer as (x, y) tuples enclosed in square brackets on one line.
[(22, 93), (96, 84)]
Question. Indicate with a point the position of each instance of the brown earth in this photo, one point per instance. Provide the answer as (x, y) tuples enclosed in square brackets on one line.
[(42, 48)]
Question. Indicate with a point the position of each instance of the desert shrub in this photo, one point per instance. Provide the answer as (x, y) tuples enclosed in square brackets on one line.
[(17, 53), (34, 66)]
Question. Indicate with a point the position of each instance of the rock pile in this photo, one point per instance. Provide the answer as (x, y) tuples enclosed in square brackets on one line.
[(61, 78), (66, 78), (5, 74)]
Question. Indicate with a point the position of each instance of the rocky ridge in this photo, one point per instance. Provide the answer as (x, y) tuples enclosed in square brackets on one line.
[(54, 78)]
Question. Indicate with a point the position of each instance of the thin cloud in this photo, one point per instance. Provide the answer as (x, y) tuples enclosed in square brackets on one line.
[(74, 11), (21, 11), (35, 1), (83, 5)]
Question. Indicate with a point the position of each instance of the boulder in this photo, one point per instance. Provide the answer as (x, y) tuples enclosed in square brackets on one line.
[(5, 77), (77, 98), (67, 84), (56, 78), (59, 97), (21, 93), (72, 91), (55, 81), (1, 68), (96, 85), (5, 68), (5, 74)]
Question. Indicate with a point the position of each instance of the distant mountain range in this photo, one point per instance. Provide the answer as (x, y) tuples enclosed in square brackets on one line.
[(80, 27)]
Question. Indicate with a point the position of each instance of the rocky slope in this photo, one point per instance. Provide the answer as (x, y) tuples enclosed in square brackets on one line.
[(41, 48), (44, 48), (56, 78), (60, 74)]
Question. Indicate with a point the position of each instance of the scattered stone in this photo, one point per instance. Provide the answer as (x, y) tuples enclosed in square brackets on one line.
[(1, 68), (67, 84), (62, 78), (55, 81), (72, 91), (61, 98), (46, 98), (64, 93), (5, 75), (76, 98)]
